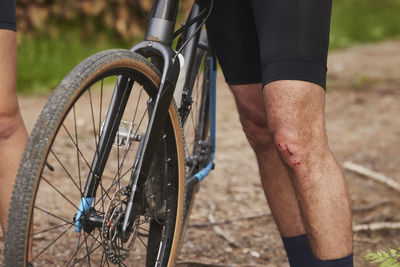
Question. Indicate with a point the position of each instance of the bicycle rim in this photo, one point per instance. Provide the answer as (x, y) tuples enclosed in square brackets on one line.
[(58, 160)]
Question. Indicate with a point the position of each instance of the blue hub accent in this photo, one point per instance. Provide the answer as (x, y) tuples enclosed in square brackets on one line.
[(85, 204), (213, 99)]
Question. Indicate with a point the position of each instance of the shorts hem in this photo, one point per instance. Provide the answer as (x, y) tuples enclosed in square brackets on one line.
[(8, 26), (294, 79), (241, 83), (296, 69)]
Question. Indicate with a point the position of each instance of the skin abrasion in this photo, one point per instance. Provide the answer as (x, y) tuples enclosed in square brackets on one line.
[(284, 148)]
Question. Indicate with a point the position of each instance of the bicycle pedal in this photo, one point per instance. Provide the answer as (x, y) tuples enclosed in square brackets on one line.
[(124, 135)]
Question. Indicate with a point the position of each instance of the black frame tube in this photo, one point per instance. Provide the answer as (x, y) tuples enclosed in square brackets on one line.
[(165, 9), (190, 49), (118, 103), (162, 21)]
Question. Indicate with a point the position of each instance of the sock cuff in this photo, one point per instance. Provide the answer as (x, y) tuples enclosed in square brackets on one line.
[(294, 238), (299, 253), (341, 262)]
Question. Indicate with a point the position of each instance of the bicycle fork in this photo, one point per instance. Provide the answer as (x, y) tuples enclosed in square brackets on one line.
[(148, 143)]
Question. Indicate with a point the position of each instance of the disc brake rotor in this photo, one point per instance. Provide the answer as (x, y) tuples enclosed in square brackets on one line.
[(115, 249)]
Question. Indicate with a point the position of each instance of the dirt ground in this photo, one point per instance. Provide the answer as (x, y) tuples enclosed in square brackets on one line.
[(362, 109)]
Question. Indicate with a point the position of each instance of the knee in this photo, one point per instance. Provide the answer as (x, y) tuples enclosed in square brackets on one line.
[(9, 123), (297, 151), (291, 148), (257, 135)]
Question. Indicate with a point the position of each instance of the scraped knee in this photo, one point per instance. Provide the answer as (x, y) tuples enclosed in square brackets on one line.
[(291, 148)]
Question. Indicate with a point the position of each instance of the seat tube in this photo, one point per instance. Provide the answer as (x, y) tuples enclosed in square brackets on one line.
[(162, 21)]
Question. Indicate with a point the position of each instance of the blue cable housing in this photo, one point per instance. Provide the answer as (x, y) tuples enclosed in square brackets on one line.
[(213, 104), (84, 205)]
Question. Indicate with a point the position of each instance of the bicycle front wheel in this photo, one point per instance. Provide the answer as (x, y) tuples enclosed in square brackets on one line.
[(43, 225)]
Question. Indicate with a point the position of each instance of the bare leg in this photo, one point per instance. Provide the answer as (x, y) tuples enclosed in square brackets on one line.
[(13, 135), (296, 120), (274, 177)]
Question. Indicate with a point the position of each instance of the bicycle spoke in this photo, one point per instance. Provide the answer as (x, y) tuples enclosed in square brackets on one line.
[(152, 194), (93, 250), (102, 196), (137, 104), (141, 120), (103, 259), (142, 241), (77, 149), (116, 181), (55, 240), (78, 247), (55, 216), (59, 192), (90, 250), (49, 229), (118, 174), (101, 104), (103, 191), (118, 165), (87, 250), (69, 175), (93, 123), (144, 229), (95, 238)]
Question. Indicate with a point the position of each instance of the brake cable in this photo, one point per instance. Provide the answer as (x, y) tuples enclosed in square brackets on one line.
[(198, 28), (141, 10)]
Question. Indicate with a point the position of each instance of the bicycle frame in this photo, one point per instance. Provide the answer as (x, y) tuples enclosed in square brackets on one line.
[(162, 21), (158, 43)]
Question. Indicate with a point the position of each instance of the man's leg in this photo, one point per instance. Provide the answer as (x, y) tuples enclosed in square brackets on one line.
[(277, 186), (295, 116), (13, 135), (274, 177)]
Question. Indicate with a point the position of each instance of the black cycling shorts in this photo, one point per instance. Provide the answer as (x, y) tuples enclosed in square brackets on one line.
[(260, 41), (7, 15)]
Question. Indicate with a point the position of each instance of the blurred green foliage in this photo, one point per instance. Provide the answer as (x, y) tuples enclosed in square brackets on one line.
[(359, 21), (45, 58)]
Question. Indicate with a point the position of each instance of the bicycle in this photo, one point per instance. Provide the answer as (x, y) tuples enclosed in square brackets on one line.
[(108, 175)]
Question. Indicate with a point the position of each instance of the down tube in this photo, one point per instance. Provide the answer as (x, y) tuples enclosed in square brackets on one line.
[(213, 104)]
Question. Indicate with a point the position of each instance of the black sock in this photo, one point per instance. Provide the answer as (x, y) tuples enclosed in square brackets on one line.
[(298, 251), (300, 254), (342, 262)]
